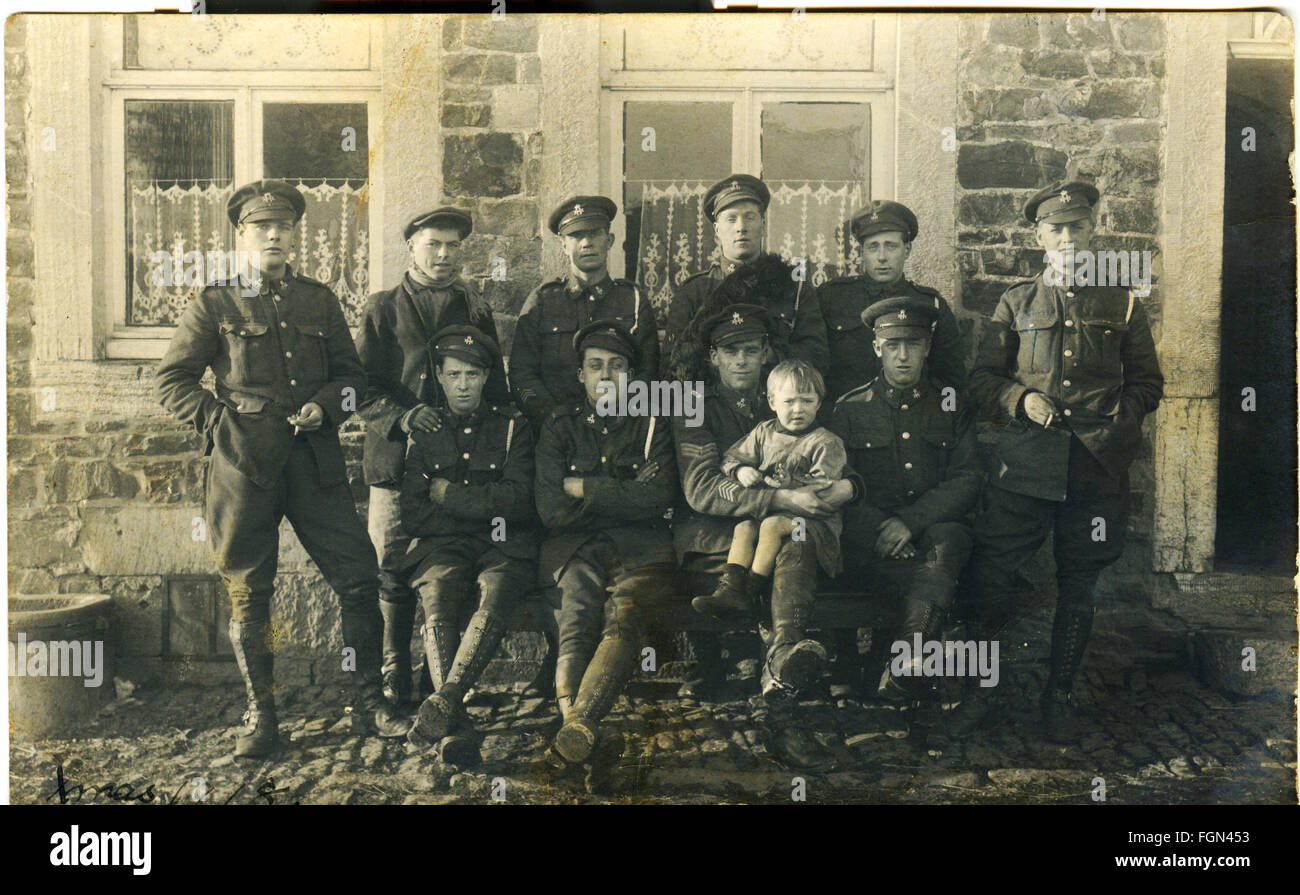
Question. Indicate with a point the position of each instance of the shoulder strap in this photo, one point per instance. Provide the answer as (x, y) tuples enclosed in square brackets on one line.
[(649, 436)]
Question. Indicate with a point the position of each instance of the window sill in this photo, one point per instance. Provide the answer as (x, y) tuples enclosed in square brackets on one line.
[(122, 347)]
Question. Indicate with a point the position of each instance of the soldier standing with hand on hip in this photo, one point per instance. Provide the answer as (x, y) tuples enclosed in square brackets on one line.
[(287, 375)]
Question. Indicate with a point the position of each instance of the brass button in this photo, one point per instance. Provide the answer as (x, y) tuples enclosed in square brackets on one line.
[(837, 326), (1067, 411), (602, 459), (907, 435), (276, 297), (910, 493), (573, 468), (424, 375), (1069, 353), (907, 465), (1065, 383), (464, 456), (868, 444), (555, 329), (1069, 323), (467, 430), (1070, 294), (283, 325), (293, 381), (466, 482), (492, 466), (903, 407), (288, 354)]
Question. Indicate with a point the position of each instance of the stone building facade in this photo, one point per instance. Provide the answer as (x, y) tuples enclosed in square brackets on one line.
[(507, 117)]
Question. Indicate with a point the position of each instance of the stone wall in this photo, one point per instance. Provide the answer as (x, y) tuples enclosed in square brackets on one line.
[(1050, 97), (104, 487)]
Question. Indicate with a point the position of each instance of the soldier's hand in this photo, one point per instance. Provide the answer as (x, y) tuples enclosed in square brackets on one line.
[(894, 537), (310, 418), (438, 490), (1039, 408), (649, 471), (421, 418), (573, 487), (803, 501), (748, 476), (836, 494)]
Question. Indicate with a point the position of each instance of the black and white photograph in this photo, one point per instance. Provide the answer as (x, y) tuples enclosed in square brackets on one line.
[(889, 407)]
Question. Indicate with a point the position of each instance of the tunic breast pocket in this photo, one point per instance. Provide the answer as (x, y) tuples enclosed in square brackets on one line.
[(485, 467), (559, 322), (251, 352), (1103, 345), (314, 359), (1036, 342)]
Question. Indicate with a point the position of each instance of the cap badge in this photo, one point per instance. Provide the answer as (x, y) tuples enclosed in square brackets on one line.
[(592, 419), (268, 197), (902, 313), (577, 210), (1065, 196), (469, 340), (736, 319)]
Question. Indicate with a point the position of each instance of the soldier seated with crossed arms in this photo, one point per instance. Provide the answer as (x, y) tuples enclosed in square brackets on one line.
[(467, 501)]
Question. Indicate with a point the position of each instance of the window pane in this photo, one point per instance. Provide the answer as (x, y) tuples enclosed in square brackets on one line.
[(817, 162), (323, 150), (179, 167), (668, 236)]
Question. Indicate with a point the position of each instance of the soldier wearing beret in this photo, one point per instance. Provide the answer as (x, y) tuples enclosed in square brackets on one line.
[(467, 502), (1079, 358), (542, 359), (885, 231), (711, 503), (402, 398), (603, 486), (287, 376), (916, 451), (743, 275)]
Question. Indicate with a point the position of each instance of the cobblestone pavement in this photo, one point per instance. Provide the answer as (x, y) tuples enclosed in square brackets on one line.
[(1155, 735)]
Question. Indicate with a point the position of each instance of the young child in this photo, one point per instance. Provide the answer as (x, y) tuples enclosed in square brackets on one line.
[(790, 451)]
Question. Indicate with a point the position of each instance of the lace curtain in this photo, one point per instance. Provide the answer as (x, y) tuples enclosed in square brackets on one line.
[(189, 226), (805, 219)]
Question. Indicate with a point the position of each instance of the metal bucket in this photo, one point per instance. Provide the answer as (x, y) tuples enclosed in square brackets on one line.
[(60, 661)]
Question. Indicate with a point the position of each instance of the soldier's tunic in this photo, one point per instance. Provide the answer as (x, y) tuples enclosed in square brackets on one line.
[(798, 328), (543, 364), (283, 345), (918, 462), (615, 535), (1089, 349), (487, 457), (394, 348), (853, 360)]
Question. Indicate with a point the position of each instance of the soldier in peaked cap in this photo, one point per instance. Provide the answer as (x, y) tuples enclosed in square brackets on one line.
[(287, 376), (916, 451), (1079, 357), (743, 275), (603, 485), (885, 232), (476, 468), (543, 358), (404, 397)]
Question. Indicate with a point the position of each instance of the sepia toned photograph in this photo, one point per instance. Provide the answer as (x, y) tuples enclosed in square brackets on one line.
[(788, 407)]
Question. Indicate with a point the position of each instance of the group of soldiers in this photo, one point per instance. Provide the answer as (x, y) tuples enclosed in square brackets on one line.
[(484, 486)]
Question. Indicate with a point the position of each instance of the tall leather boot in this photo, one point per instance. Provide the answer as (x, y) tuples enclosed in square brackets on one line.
[(439, 652), (444, 710), (793, 661), (920, 616), (362, 631), (259, 735), (1070, 631), (608, 673), (399, 621)]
